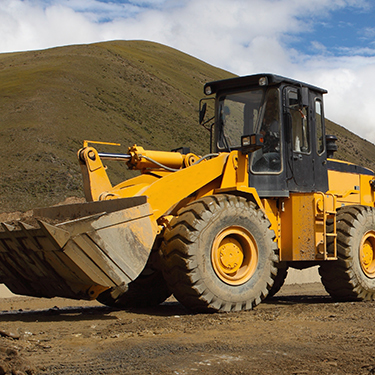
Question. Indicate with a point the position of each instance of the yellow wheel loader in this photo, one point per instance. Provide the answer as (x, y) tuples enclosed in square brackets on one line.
[(218, 231)]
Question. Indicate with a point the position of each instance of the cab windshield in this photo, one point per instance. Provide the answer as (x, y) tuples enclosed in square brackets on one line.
[(238, 115), (245, 113)]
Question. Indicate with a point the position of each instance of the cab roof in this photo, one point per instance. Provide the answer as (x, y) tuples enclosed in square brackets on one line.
[(253, 80)]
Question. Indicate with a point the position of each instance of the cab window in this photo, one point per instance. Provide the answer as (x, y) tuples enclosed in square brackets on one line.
[(268, 158), (319, 127), (238, 115), (300, 128)]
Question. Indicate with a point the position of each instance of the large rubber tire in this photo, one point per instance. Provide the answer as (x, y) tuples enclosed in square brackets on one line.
[(282, 273), (147, 290), (219, 255), (352, 276)]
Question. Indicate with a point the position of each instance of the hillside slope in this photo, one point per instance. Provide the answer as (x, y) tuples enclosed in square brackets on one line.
[(351, 147), (126, 92)]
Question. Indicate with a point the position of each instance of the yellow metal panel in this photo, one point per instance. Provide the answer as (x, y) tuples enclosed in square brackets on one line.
[(95, 178), (304, 227), (243, 170), (166, 192), (230, 173), (298, 228), (351, 188), (236, 177), (143, 179), (367, 194), (345, 186), (236, 171)]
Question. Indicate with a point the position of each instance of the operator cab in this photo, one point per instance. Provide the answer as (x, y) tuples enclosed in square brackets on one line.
[(286, 120)]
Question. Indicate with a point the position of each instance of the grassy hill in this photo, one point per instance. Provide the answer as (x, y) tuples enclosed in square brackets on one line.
[(351, 147), (125, 92)]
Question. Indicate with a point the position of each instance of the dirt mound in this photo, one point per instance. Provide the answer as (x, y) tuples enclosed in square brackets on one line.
[(12, 360), (27, 217), (8, 217)]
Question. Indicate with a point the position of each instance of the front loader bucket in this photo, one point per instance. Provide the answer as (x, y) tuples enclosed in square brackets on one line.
[(77, 251)]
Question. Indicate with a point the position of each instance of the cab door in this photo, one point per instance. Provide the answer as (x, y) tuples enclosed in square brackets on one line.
[(306, 165), (301, 162), (266, 165)]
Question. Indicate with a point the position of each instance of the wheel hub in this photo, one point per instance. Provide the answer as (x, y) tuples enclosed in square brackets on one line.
[(234, 255), (231, 256), (367, 254)]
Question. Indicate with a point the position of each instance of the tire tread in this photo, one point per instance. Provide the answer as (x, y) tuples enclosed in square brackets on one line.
[(180, 267), (339, 277)]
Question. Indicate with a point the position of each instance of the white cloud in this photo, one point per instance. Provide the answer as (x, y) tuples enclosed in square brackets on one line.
[(242, 36)]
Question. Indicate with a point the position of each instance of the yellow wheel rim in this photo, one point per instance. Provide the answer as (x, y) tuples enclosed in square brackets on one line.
[(234, 255), (367, 254)]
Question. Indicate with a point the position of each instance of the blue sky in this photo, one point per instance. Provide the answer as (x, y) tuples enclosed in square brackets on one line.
[(348, 30), (328, 43)]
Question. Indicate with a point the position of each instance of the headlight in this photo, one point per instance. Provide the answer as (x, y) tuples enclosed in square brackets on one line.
[(263, 81)]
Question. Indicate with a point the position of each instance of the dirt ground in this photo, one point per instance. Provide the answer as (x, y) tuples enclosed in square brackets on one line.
[(299, 331)]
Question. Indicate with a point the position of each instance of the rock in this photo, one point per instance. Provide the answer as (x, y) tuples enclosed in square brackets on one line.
[(12, 335)]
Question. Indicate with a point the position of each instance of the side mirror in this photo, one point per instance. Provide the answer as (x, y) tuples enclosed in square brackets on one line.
[(331, 145), (303, 97), (251, 143), (202, 113)]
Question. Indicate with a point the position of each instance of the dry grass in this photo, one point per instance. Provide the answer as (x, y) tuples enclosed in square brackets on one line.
[(125, 92)]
